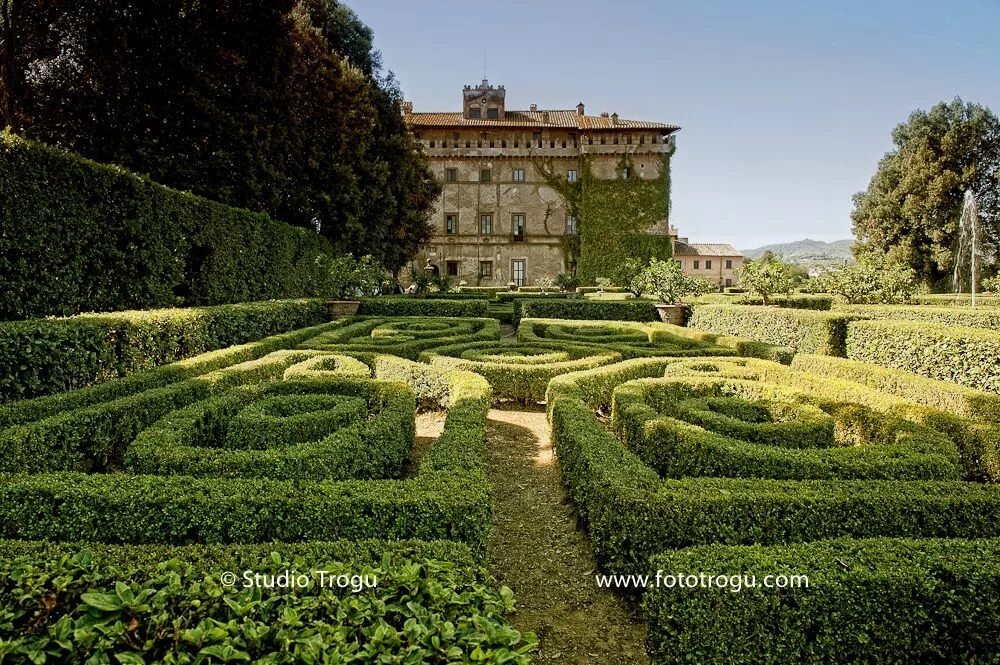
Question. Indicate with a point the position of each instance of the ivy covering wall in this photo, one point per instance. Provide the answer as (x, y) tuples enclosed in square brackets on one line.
[(615, 216)]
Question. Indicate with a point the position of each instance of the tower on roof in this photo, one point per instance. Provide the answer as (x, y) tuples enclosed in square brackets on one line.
[(483, 101)]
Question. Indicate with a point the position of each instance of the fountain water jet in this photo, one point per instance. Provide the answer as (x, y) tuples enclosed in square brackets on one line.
[(968, 246)]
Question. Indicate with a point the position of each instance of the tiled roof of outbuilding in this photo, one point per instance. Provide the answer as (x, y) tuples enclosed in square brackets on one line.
[(704, 249)]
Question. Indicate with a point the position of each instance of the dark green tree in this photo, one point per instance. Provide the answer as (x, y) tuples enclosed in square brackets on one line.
[(911, 210), (273, 105)]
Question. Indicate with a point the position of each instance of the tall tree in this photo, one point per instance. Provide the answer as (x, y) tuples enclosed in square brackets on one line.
[(274, 105), (911, 210)]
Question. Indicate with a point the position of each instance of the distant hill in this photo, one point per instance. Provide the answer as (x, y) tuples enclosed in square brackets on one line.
[(807, 253)]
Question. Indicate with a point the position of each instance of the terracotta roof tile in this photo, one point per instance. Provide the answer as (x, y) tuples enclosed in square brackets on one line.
[(704, 249), (568, 119)]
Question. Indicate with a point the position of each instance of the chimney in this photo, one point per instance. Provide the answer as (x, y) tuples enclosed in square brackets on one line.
[(604, 114), (579, 108), (407, 107), (534, 107), (614, 118), (545, 117)]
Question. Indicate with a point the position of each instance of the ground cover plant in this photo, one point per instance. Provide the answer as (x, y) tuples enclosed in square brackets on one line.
[(686, 477), (274, 455)]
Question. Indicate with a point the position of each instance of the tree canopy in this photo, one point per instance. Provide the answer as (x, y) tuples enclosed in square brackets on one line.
[(273, 105), (911, 210)]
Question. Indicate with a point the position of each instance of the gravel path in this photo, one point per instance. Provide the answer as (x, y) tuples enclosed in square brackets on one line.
[(537, 550)]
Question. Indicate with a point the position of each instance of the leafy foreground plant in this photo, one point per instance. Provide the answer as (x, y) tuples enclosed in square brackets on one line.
[(425, 611)]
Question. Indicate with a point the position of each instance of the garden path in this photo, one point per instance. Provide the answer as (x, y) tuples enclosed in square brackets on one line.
[(538, 551)]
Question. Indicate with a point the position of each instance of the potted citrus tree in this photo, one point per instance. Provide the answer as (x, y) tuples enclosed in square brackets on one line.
[(666, 280), (349, 278)]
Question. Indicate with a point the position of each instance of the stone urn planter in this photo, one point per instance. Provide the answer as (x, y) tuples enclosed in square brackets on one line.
[(671, 313), (336, 309)]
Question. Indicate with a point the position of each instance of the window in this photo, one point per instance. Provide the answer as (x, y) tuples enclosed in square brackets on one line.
[(571, 229), (450, 175), (571, 175), (518, 175), (537, 138), (696, 265), (517, 226), (451, 268), (485, 268), (485, 175), (451, 224), (475, 113), (519, 272), (708, 264), (493, 113), (628, 139), (729, 282), (486, 224), (729, 266), (625, 173)]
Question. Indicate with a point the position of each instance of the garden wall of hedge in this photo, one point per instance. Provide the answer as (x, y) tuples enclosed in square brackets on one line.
[(45, 356), (806, 330), (886, 600), (81, 236), (581, 308), (982, 317), (409, 306), (964, 355)]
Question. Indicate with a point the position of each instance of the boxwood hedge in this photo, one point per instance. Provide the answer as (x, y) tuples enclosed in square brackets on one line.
[(28, 410), (964, 355), (632, 514), (520, 372), (978, 440), (45, 356), (323, 429), (944, 395), (885, 600), (404, 336), (806, 331), (581, 308), (728, 427), (981, 317), (409, 306), (647, 339), (446, 498), (134, 243)]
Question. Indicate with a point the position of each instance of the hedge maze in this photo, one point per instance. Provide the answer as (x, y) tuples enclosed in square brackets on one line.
[(274, 455), (746, 466), (683, 450), (519, 372), (403, 336)]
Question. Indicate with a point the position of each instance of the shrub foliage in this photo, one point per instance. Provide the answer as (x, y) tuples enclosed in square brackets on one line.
[(134, 244)]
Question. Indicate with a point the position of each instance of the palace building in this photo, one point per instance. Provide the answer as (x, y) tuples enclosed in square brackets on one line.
[(507, 212)]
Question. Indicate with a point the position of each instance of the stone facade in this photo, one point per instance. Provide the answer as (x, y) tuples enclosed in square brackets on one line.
[(498, 219)]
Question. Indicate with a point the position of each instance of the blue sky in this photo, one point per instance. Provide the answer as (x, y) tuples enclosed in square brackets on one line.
[(785, 107)]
